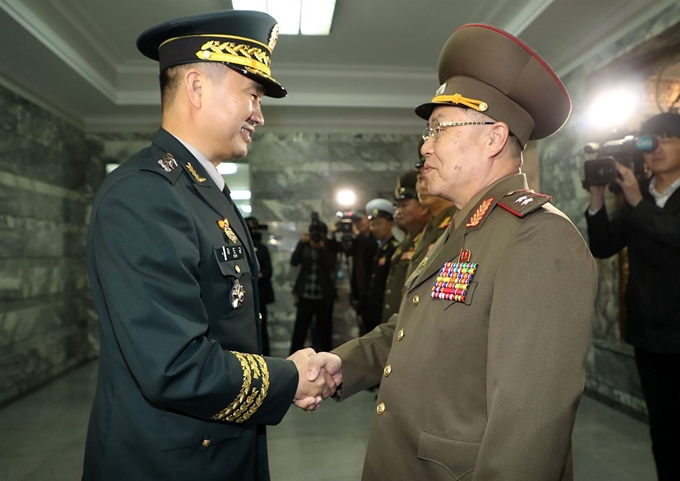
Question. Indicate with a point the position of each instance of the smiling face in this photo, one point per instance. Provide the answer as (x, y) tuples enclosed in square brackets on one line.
[(230, 110), (454, 167)]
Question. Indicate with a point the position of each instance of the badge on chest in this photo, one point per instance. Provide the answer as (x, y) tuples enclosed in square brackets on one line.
[(454, 278)]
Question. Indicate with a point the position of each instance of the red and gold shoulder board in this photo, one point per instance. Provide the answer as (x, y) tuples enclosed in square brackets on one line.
[(523, 202)]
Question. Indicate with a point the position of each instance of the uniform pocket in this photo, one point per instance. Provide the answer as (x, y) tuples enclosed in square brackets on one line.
[(457, 457), (468, 297), (180, 432)]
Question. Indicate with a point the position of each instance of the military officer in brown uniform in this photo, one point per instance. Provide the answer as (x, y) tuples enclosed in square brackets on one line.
[(441, 212), (482, 370), (410, 217)]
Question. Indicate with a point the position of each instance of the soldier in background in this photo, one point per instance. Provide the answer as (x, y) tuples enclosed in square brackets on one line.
[(410, 216), (441, 212), (381, 215)]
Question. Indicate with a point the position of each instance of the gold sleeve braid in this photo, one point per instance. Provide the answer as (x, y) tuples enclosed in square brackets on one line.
[(249, 398)]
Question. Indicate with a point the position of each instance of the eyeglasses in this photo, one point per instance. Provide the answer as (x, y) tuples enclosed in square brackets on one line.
[(437, 128)]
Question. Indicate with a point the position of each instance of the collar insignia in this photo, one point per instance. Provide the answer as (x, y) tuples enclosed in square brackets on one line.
[(194, 174), (479, 214)]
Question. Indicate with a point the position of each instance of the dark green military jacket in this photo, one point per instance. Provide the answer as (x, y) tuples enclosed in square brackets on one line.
[(434, 228), (395, 279), (480, 376), (182, 391)]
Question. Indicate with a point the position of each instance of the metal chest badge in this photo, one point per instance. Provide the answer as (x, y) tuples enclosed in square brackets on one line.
[(224, 225), (168, 163), (238, 293), (453, 280)]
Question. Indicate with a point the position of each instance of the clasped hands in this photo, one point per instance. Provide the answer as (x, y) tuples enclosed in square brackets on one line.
[(319, 374)]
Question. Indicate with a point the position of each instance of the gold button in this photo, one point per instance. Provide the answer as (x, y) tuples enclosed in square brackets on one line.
[(387, 306), (388, 370), (205, 443), (423, 262), (237, 269), (416, 300), (388, 291), (380, 409), (400, 335)]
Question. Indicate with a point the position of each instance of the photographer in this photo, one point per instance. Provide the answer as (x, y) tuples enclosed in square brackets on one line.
[(314, 287), (648, 223)]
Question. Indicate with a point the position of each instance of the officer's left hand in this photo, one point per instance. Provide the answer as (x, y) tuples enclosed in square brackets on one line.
[(629, 185)]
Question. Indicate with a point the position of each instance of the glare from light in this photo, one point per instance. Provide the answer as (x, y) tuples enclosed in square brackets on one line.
[(317, 17), (240, 194), (227, 168), (246, 208), (613, 108), (309, 17), (111, 167), (346, 197)]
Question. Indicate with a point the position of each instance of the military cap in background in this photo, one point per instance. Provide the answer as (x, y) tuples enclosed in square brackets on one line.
[(240, 39), (488, 70), (421, 158), (380, 208), (406, 185)]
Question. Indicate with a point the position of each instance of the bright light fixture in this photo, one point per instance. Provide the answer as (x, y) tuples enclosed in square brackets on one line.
[(246, 208), (227, 168), (309, 17), (613, 108), (346, 197), (240, 194)]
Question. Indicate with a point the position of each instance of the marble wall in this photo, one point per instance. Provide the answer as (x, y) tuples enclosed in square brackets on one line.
[(48, 173), (611, 373)]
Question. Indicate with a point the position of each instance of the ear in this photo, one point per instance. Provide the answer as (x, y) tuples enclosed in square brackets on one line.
[(195, 83), (498, 138)]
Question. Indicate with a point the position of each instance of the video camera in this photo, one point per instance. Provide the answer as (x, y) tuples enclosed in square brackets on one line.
[(317, 229), (627, 151), (345, 226)]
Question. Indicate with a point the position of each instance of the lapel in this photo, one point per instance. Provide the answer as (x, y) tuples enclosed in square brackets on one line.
[(450, 243), (207, 189)]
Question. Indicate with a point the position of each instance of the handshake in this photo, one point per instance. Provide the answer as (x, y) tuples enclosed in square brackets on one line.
[(320, 374)]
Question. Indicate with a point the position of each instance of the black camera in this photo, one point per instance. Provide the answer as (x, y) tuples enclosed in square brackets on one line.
[(345, 227), (627, 151), (317, 229)]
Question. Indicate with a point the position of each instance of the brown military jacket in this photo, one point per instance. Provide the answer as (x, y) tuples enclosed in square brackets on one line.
[(487, 387), (397, 276), (434, 228)]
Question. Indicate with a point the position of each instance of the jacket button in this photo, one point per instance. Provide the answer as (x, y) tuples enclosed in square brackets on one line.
[(416, 300), (380, 409), (388, 370), (259, 316), (388, 291), (237, 269), (400, 335), (423, 262), (205, 443), (387, 306)]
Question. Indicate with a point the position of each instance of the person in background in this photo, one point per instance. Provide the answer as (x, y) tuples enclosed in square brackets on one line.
[(441, 212), (648, 224), (264, 279), (183, 390), (482, 370), (362, 252), (381, 216), (410, 216), (314, 288)]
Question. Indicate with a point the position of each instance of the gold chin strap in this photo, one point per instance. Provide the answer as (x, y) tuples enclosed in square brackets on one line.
[(458, 99)]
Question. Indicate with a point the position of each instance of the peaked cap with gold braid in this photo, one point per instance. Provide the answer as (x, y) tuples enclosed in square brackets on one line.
[(486, 69), (242, 40)]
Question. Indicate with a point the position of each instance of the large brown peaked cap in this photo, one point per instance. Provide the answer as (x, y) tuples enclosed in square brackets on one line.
[(487, 69)]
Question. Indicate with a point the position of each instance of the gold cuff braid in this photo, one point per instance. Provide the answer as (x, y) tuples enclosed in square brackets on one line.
[(249, 398)]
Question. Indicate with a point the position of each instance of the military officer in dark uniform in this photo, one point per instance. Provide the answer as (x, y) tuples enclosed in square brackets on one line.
[(441, 212), (381, 215), (483, 368), (183, 391), (410, 217)]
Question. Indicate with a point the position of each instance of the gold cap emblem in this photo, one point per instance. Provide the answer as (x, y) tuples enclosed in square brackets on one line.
[(273, 37)]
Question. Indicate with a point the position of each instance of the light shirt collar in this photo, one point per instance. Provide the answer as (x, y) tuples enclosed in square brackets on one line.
[(662, 198), (207, 165)]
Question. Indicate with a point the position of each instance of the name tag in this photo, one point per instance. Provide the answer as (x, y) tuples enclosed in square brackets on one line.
[(229, 253)]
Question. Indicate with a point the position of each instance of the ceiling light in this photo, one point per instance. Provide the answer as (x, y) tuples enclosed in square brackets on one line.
[(227, 168), (246, 208), (613, 108), (309, 17)]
